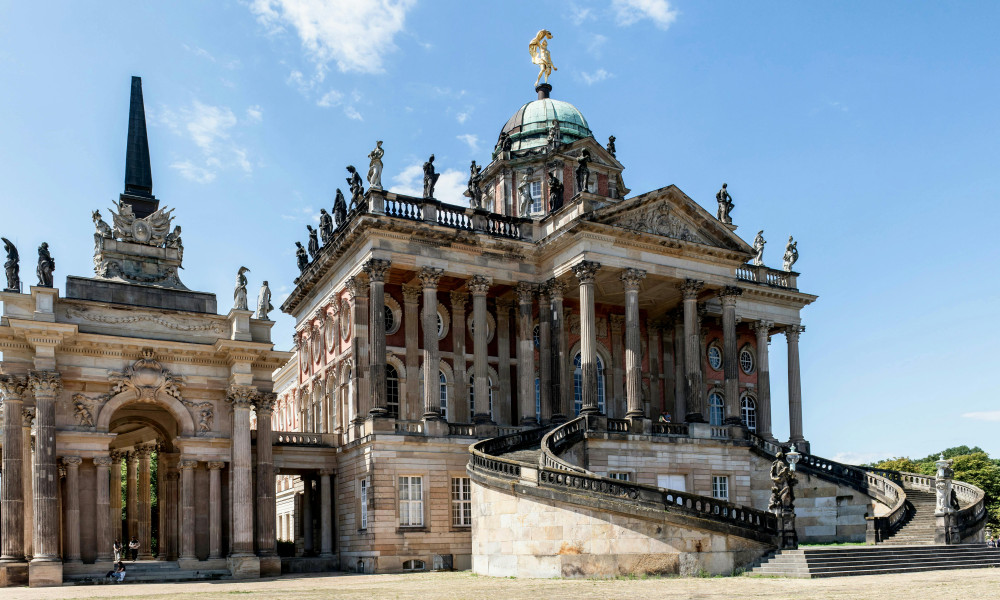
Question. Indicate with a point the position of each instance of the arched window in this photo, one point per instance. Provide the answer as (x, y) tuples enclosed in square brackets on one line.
[(392, 390), (748, 412), (747, 361), (350, 397), (716, 408), (444, 396), (414, 565), (390, 319), (472, 394), (578, 383)]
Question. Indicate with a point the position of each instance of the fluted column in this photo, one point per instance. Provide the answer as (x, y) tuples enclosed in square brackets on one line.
[(145, 503), (307, 515), (616, 404), (357, 289), (631, 279), (461, 387), (241, 397), (46, 386), (131, 496), (12, 390), (187, 525), (694, 392), (102, 508), (325, 514), (71, 509), (479, 286), (267, 538), (544, 355), (215, 508), (562, 388), (585, 272), (794, 384), (680, 368), (526, 354), (502, 405), (429, 278), (411, 326), (115, 481), (655, 399), (28, 479), (763, 331), (377, 270), (172, 505), (730, 354)]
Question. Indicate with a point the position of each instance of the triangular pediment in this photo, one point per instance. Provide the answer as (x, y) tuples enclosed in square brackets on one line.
[(669, 212)]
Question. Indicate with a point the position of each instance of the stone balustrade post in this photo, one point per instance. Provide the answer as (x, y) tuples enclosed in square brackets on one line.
[(631, 280), (526, 354), (479, 286), (215, 509), (429, 278), (102, 508), (267, 538), (694, 392), (187, 527), (730, 354), (12, 391), (377, 270), (46, 386), (763, 331), (242, 398), (586, 272), (71, 550)]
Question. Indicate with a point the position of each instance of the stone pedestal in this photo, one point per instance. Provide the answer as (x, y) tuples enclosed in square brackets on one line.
[(45, 573), (244, 567), (640, 425), (13, 574), (786, 528)]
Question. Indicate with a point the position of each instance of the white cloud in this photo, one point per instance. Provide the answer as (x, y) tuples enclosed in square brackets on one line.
[(595, 77), (230, 63), (462, 117), (471, 139), (352, 113), (331, 98), (578, 14), (989, 415), (255, 113), (860, 458), (211, 129), (449, 188), (595, 44), (354, 34), (628, 12)]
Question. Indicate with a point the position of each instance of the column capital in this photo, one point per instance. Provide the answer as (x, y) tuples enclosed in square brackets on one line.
[(429, 277), (690, 288), (376, 268), (729, 294), (264, 403), (617, 321), (792, 332), (27, 416), (12, 387), (504, 304), (763, 327), (215, 466), (458, 300), (173, 475), (144, 452), (555, 288), (102, 461), (411, 294), (357, 286), (45, 383), (333, 309), (326, 472), (631, 278), (241, 396), (479, 285), (187, 464), (525, 292), (586, 270), (72, 461), (116, 455)]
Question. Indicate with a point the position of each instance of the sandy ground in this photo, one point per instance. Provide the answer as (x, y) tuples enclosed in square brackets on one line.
[(972, 583)]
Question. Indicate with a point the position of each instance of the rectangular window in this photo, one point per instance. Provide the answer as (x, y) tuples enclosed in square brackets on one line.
[(364, 503), (411, 502), (461, 502), (620, 475), (720, 487), (672, 482), (536, 196)]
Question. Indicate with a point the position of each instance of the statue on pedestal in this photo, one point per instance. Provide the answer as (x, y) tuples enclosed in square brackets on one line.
[(725, 205), (791, 253), (12, 266), (582, 171), (524, 193), (430, 177), (758, 246), (611, 146), (103, 229), (357, 188), (325, 226), (555, 193), (783, 481), (301, 257), (538, 48), (555, 135), (505, 143), (375, 167), (45, 266), (313, 242), (240, 293), (340, 208), (475, 192), (263, 303)]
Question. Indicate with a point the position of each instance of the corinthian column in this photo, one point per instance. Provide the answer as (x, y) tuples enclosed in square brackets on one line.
[(145, 504), (694, 392), (71, 551), (28, 479), (102, 508), (187, 509), (544, 355), (357, 292), (794, 384), (461, 395), (266, 508), (131, 496), (480, 285), (429, 278), (502, 405), (215, 508), (730, 354), (411, 331), (561, 382), (763, 331), (115, 481), (631, 278), (376, 270), (586, 271), (46, 386), (12, 389), (241, 397), (526, 353)]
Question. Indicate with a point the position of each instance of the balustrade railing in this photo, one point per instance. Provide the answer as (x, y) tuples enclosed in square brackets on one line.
[(503, 430), (617, 426), (766, 276), (453, 216), (293, 438), (674, 429), (463, 429), (555, 442), (502, 226), (719, 433), (404, 208), (409, 426)]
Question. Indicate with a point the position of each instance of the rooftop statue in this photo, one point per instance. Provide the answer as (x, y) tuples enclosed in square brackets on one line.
[(12, 266), (263, 303), (151, 230), (357, 188), (173, 240), (555, 135), (725, 205), (538, 48), (340, 208), (325, 226), (611, 146), (430, 177), (783, 481), (313, 242), (375, 167), (791, 253), (240, 293), (758, 246), (45, 266), (475, 191), (103, 229), (301, 257)]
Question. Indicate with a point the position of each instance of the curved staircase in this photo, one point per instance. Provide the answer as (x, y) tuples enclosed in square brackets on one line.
[(919, 528)]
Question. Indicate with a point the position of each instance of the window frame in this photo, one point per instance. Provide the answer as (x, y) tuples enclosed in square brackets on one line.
[(720, 483), (391, 392), (409, 507), (719, 409), (620, 475), (461, 506), (748, 350), (714, 346), (363, 503), (578, 383), (748, 407)]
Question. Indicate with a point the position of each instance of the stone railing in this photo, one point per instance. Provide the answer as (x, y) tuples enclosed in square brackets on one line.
[(916, 481), (433, 211), (462, 429), (403, 207), (503, 430), (487, 455), (293, 438), (409, 426), (971, 501), (555, 442), (719, 432), (617, 426), (671, 429), (767, 276)]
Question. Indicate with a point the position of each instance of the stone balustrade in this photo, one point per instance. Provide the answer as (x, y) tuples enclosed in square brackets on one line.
[(767, 276)]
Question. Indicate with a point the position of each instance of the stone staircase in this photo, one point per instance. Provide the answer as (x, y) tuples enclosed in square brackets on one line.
[(149, 572), (840, 561), (919, 529)]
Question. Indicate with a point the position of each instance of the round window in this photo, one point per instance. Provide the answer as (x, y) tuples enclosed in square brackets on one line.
[(715, 357), (747, 360)]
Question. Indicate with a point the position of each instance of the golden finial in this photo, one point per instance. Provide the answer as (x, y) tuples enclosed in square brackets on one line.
[(539, 51)]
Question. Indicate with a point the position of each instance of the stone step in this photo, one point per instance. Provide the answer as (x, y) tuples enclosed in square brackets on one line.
[(150, 576), (873, 560), (814, 564)]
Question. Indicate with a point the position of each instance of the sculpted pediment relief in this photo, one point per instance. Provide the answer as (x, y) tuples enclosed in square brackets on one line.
[(147, 378)]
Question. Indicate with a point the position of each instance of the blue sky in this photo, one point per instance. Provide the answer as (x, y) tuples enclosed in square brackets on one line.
[(867, 130)]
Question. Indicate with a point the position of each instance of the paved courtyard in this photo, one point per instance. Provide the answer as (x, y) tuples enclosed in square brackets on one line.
[(973, 583)]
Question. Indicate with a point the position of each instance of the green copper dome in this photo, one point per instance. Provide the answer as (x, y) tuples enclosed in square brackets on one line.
[(529, 127)]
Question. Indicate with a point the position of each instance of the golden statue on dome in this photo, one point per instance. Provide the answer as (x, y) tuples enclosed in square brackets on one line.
[(539, 51)]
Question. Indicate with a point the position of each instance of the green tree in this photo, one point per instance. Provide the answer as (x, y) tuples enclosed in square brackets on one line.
[(901, 464)]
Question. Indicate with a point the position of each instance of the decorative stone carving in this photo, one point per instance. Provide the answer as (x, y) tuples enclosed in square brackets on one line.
[(376, 269), (554, 136), (631, 278), (411, 293), (263, 303), (690, 288), (539, 50), (45, 266), (144, 379), (150, 230), (12, 266), (45, 383), (240, 293), (340, 208), (301, 257), (582, 171), (313, 242), (430, 177), (725, 205), (12, 387), (791, 254), (617, 323), (729, 294), (28, 417), (242, 396), (103, 229), (84, 409), (265, 402), (429, 277), (356, 187), (174, 324), (525, 292), (475, 190), (325, 226), (555, 193), (479, 284), (524, 194), (586, 271), (758, 247), (658, 220), (375, 166), (555, 288), (783, 481)]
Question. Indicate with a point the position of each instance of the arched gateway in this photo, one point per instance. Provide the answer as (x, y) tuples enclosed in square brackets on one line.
[(139, 398)]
